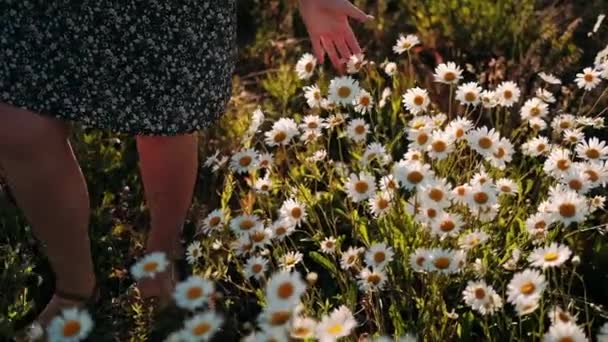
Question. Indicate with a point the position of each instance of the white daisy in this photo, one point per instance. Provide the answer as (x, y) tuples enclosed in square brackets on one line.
[(302, 328), (313, 96), (357, 130), (361, 187), (71, 325), (283, 130), (550, 256), (282, 228), (446, 224), (481, 297), (290, 260), (286, 288), (339, 323), (355, 63), (469, 94), (328, 245), (459, 128), (418, 259), (343, 90), (549, 78), (568, 207), (378, 255), (508, 93), (412, 174), (371, 280), (545, 95), (202, 327), (448, 73), (506, 186), (294, 211), (405, 43), (483, 141), (375, 151), (245, 223), (390, 69), (444, 260), (244, 161), (380, 203), (193, 293), (260, 236), (350, 258), (416, 100), (305, 66), (563, 122), (255, 267), (149, 265), (194, 252), (537, 146), (593, 149), (534, 108), (489, 99), (472, 240), (364, 102), (441, 145), (565, 332), (526, 285), (558, 163), (588, 79)]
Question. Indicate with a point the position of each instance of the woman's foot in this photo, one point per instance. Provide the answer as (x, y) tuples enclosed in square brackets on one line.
[(160, 287)]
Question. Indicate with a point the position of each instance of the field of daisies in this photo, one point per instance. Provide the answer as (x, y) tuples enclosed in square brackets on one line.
[(404, 200)]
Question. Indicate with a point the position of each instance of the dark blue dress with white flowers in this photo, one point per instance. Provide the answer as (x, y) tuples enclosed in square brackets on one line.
[(153, 67)]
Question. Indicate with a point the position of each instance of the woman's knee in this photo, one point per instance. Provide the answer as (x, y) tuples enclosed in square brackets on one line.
[(23, 133)]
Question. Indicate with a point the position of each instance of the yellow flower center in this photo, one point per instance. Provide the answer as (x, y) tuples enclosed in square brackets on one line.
[(527, 288), (507, 94), (480, 293), (151, 266), (379, 257), (589, 78), (382, 203), (567, 209), (500, 152), (418, 100), (592, 153), (592, 175), (280, 317), (308, 67), (245, 161), (247, 224), (280, 230), (470, 96), (280, 136), (374, 279), (285, 290), (442, 263), (364, 101), (201, 329), (71, 328), (480, 198), (360, 129), (214, 221), (422, 138), (257, 268), (449, 76), (563, 164), (361, 187), (575, 184), (194, 292), (414, 177), (551, 256), (344, 92), (485, 142), (335, 329), (439, 146), (447, 226), (436, 195), (296, 213)]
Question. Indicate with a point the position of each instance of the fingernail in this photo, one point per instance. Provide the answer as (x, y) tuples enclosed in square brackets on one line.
[(370, 17)]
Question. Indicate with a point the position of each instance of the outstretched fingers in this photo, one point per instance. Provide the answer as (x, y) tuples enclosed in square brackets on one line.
[(355, 13), (329, 47)]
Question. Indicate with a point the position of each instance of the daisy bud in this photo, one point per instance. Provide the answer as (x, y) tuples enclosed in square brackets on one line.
[(312, 278), (576, 260)]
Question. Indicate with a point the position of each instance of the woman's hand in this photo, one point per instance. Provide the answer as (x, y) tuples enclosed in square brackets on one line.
[(329, 30)]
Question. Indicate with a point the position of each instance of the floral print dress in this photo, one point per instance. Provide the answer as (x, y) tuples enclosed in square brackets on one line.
[(149, 67)]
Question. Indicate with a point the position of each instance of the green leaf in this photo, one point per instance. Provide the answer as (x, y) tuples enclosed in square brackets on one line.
[(323, 261)]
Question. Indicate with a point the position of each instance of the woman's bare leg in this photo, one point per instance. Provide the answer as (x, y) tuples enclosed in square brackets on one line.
[(49, 187), (168, 166)]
